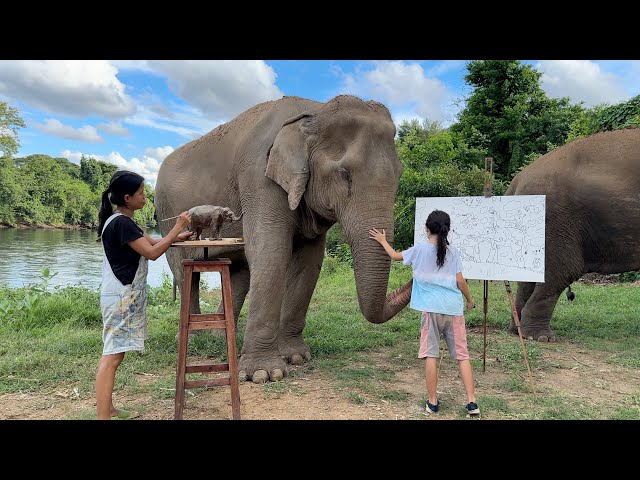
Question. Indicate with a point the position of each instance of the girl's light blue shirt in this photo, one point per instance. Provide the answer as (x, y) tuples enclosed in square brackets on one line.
[(434, 290)]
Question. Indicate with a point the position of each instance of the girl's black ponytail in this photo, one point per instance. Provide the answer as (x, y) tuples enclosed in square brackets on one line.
[(106, 210), (442, 245), (439, 223)]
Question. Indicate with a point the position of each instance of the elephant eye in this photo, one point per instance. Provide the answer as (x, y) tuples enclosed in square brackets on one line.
[(346, 175)]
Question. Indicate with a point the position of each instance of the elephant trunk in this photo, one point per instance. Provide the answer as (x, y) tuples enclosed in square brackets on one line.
[(371, 266), (235, 219)]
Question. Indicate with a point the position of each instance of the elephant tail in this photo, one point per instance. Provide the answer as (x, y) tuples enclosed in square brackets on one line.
[(570, 294)]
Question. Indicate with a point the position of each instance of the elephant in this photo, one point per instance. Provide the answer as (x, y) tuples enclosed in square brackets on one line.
[(592, 221), (294, 167), (210, 217)]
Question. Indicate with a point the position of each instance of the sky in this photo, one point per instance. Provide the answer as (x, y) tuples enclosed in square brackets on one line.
[(133, 113)]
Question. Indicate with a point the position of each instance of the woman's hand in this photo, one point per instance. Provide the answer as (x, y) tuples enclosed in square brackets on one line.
[(184, 219), (184, 236), (378, 236)]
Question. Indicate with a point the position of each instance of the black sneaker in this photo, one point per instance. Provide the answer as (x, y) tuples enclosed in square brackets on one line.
[(430, 408), (472, 409)]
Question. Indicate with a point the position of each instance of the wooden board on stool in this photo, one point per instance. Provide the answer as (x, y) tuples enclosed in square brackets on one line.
[(223, 242)]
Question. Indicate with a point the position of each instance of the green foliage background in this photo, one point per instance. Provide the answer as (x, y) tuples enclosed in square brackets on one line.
[(39, 189)]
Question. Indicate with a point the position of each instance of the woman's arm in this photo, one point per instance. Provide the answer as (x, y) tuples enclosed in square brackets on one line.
[(382, 240), (154, 248), (152, 241)]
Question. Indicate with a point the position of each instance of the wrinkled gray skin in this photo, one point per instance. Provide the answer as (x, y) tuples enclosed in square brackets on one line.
[(204, 217), (294, 167), (592, 218)]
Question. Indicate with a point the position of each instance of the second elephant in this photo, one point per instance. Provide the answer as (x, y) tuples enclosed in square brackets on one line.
[(592, 221)]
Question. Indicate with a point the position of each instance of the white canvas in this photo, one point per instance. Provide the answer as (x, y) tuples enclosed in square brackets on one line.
[(499, 238)]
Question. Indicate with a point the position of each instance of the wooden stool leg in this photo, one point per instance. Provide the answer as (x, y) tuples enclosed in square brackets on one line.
[(183, 337), (227, 301)]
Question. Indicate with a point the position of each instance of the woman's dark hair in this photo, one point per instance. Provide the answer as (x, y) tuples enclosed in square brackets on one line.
[(123, 182), (439, 223)]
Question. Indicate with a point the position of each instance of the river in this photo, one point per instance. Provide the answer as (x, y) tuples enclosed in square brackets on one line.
[(74, 255)]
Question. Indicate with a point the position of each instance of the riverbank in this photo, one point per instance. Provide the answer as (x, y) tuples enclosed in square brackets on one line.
[(47, 226), (50, 226)]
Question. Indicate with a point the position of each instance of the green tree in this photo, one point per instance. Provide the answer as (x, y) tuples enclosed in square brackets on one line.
[(81, 204), (509, 116), (10, 191), (91, 173), (43, 181), (10, 121)]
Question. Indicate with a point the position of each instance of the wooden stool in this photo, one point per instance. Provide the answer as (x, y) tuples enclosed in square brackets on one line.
[(207, 321)]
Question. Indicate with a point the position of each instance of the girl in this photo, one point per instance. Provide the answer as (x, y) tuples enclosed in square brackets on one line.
[(123, 298), (437, 287)]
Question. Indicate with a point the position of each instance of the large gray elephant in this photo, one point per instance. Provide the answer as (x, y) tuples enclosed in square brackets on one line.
[(592, 222), (294, 167)]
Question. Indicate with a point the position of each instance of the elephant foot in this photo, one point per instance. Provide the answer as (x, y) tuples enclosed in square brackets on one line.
[(540, 333), (261, 368), (295, 351)]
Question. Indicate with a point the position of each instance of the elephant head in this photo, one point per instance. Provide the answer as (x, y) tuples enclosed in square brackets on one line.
[(229, 216), (339, 164)]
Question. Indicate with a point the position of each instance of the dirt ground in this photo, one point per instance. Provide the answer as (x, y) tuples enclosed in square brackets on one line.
[(311, 394)]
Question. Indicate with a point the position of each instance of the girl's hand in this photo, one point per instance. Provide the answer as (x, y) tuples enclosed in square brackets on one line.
[(378, 236), (184, 236)]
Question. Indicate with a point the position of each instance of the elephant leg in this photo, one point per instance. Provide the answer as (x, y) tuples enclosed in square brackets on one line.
[(239, 288), (174, 259), (268, 254), (537, 312), (302, 276), (194, 301), (525, 289)]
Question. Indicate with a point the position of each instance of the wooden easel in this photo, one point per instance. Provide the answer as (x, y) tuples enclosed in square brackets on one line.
[(488, 192)]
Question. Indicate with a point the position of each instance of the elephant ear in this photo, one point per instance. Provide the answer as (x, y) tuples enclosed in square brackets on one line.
[(288, 160)]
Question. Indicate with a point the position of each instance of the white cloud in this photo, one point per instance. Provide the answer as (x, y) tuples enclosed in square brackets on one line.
[(161, 110), (187, 122), (446, 66), (158, 153), (58, 129), (581, 80), (147, 166), (140, 65), (403, 87), (114, 128), (221, 89), (68, 87)]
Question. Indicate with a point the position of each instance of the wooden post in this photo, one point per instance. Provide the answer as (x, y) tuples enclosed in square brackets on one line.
[(517, 322), (488, 192)]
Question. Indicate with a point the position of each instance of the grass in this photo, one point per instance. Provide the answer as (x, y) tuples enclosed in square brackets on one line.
[(51, 340)]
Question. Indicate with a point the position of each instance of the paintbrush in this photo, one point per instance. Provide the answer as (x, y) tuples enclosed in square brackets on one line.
[(170, 218)]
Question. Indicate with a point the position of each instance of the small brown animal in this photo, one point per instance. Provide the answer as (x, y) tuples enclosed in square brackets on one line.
[(210, 216)]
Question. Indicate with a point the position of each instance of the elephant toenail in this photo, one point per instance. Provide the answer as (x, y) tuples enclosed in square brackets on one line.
[(260, 376), (277, 374)]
